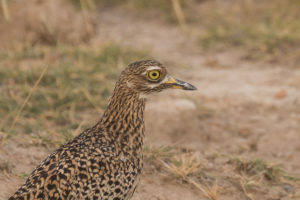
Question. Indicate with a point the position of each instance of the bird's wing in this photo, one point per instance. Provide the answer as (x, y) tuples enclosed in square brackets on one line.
[(53, 175)]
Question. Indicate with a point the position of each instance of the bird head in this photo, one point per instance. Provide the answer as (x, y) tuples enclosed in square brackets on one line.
[(149, 76)]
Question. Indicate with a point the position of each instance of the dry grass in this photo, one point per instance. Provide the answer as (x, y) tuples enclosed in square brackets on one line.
[(260, 170), (248, 183), (248, 176), (178, 163), (153, 154), (255, 175), (269, 31), (181, 165), (209, 192), (5, 167)]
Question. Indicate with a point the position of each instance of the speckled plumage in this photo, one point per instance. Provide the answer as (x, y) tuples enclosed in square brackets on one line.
[(103, 162)]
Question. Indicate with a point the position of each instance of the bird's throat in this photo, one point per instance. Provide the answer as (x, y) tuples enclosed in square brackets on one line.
[(125, 112)]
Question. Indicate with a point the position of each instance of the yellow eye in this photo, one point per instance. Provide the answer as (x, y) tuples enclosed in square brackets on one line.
[(154, 74)]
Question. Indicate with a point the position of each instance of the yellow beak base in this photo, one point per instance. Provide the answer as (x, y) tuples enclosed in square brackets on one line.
[(180, 84)]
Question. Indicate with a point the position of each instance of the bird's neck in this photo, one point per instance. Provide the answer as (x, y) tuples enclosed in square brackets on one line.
[(124, 115)]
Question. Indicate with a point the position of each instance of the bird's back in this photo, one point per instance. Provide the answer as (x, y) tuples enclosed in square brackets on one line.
[(91, 166)]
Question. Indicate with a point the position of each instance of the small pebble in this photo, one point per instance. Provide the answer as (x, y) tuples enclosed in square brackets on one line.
[(288, 188)]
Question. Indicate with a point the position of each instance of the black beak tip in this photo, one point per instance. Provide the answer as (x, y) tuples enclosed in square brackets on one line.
[(189, 87), (185, 85)]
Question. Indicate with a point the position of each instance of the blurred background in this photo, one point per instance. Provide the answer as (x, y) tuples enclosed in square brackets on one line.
[(236, 137)]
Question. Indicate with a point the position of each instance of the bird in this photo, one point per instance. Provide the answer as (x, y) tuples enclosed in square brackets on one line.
[(104, 162)]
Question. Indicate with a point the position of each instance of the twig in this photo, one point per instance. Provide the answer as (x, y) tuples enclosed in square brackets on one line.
[(5, 10), (77, 130), (204, 191), (90, 99), (179, 14), (27, 98), (87, 5)]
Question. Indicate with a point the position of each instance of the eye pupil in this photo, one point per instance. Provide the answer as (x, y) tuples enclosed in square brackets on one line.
[(154, 75)]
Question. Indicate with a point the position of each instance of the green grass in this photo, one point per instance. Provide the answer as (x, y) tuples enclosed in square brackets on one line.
[(162, 8), (268, 29), (75, 88)]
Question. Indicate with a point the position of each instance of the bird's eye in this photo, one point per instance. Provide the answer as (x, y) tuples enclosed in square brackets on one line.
[(154, 74)]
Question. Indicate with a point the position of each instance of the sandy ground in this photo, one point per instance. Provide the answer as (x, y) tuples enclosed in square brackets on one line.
[(241, 108), (239, 95)]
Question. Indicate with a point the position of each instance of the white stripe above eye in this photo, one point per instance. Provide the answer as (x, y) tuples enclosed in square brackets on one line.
[(152, 68)]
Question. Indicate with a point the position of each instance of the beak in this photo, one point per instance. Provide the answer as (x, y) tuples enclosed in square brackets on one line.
[(179, 84)]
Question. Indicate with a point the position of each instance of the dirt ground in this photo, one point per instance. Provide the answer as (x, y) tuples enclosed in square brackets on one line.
[(242, 109)]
